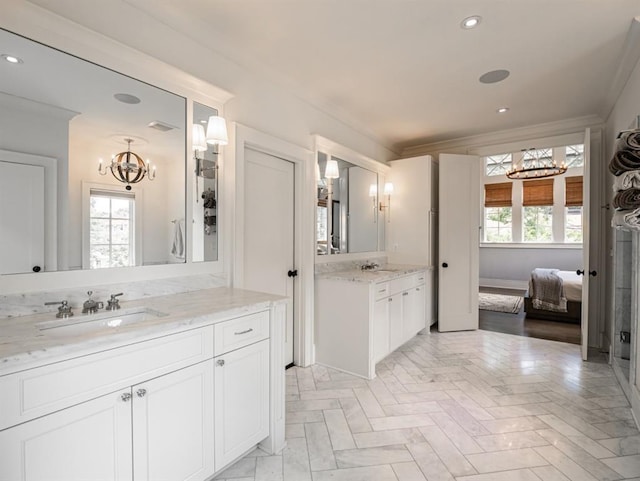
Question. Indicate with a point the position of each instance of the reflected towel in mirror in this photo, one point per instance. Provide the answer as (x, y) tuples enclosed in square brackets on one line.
[(177, 249)]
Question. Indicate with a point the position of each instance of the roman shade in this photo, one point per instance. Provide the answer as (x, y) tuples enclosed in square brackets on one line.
[(537, 192), (573, 191), (498, 195)]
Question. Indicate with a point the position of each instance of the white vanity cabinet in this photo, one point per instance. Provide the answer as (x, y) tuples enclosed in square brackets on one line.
[(241, 386), (362, 318), (176, 407)]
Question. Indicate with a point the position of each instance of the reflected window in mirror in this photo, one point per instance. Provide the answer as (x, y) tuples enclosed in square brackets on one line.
[(206, 183), (111, 229), (83, 113)]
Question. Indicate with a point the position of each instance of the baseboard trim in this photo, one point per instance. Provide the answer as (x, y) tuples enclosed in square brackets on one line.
[(503, 283)]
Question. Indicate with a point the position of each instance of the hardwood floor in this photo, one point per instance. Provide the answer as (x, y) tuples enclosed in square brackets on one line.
[(519, 325)]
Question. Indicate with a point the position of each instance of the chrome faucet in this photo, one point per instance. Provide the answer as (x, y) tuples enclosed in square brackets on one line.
[(113, 303), (90, 306), (64, 310), (369, 266)]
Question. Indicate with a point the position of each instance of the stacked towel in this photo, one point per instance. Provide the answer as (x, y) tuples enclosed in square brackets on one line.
[(628, 180), (628, 199), (629, 140), (624, 161), (629, 220)]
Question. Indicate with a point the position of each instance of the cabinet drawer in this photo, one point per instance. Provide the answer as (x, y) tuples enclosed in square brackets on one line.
[(401, 284), (419, 278), (28, 394), (240, 332), (381, 290)]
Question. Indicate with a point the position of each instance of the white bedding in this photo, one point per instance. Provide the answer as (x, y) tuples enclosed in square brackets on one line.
[(572, 284)]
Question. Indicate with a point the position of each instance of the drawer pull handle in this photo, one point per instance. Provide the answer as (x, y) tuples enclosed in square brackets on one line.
[(405, 293), (126, 397), (220, 362), (382, 290), (141, 392), (244, 332), (390, 299)]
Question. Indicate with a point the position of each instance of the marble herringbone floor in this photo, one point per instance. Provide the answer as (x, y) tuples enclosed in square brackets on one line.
[(468, 406)]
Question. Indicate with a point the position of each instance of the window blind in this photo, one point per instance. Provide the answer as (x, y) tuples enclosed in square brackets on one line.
[(537, 192), (573, 191), (498, 195)]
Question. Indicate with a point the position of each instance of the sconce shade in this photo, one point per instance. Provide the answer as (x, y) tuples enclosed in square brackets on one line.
[(373, 190), (198, 139), (331, 171), (388, 188), (217, 131)]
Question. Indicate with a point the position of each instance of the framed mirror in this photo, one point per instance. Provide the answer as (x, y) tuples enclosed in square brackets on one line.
[(347, 207), (92, 165)]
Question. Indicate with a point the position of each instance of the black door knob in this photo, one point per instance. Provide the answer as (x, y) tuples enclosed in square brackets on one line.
[(444, 264), (292, 273), (593, 273), (36, 269), (579, 272)]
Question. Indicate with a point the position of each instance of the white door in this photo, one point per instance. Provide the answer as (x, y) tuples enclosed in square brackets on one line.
[(241, 380), (174, 444), (459, 231), (22, 230), (85, 442), (585, 245), (268, 230)]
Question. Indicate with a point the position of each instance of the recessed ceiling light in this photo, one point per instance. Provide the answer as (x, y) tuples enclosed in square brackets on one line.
[(127, 98), (11, 58), (494, 76), (471, 22), (502, 110)]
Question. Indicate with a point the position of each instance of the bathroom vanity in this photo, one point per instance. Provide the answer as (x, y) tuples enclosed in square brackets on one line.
[(362, 316), (168, 388)]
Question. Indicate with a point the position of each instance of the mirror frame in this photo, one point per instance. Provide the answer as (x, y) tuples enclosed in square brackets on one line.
[(334, 149), (93, 47)]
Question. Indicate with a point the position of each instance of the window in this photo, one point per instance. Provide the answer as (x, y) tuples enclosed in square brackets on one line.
[(497, 164), (497, 212), (111, 229), (573, 210), (547, 210)]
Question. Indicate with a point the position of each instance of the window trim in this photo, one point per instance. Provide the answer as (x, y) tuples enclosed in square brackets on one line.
[(138, 196)]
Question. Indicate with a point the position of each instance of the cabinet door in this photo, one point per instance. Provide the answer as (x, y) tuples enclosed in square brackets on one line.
[(241, 381), (173, 425), (381, 329), (395, 322), (409, 314), (89, 441)]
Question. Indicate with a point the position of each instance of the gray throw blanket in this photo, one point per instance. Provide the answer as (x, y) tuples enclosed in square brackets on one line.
[(546, 290)]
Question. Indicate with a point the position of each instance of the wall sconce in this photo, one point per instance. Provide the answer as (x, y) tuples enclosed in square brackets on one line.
[(128, 167), (331, 171), (387, 192), (198, 140), (373, 193), (217, 131)]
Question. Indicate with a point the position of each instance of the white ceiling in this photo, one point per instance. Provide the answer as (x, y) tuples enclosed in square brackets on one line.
[(404, 68)]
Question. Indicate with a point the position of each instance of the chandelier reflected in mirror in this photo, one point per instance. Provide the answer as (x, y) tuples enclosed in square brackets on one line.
[(128, 167), (536, 164)]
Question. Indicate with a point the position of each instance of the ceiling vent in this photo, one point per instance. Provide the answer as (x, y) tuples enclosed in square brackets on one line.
[(161, 126)]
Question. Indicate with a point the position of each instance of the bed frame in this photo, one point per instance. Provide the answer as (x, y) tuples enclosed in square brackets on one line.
[(573, 314)]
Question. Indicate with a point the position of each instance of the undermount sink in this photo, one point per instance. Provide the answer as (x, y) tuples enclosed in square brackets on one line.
[(82, 324)]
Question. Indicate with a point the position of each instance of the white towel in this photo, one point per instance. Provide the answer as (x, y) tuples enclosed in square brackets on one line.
[(178, 239), (626, 220), (627, 180)]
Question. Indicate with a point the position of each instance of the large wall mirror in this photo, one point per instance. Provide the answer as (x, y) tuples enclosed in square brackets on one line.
[(92, 165), (348, 219)]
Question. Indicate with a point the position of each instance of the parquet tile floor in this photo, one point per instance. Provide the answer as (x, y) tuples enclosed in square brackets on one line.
[(465, 406)]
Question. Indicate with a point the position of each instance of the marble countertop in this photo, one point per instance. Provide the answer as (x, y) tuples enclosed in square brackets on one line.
[(383, 273), (24, 345)]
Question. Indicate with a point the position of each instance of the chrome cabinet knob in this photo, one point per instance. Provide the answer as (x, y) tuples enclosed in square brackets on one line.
[(141, 392), (220, 362), (126, 397)]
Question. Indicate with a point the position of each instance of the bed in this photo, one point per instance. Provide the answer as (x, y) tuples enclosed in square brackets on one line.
[(570, 293)]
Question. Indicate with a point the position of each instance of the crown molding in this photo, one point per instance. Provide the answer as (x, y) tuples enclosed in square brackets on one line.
[(532, 132)]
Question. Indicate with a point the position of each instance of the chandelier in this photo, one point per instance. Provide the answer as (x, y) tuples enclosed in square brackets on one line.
[(128, 167), (535, 166)]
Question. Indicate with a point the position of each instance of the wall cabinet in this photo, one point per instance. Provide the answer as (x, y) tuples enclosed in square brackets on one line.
[(152, 420), (360, 323)]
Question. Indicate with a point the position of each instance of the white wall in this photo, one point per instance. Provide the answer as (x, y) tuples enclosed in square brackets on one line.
[(514, 264)]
